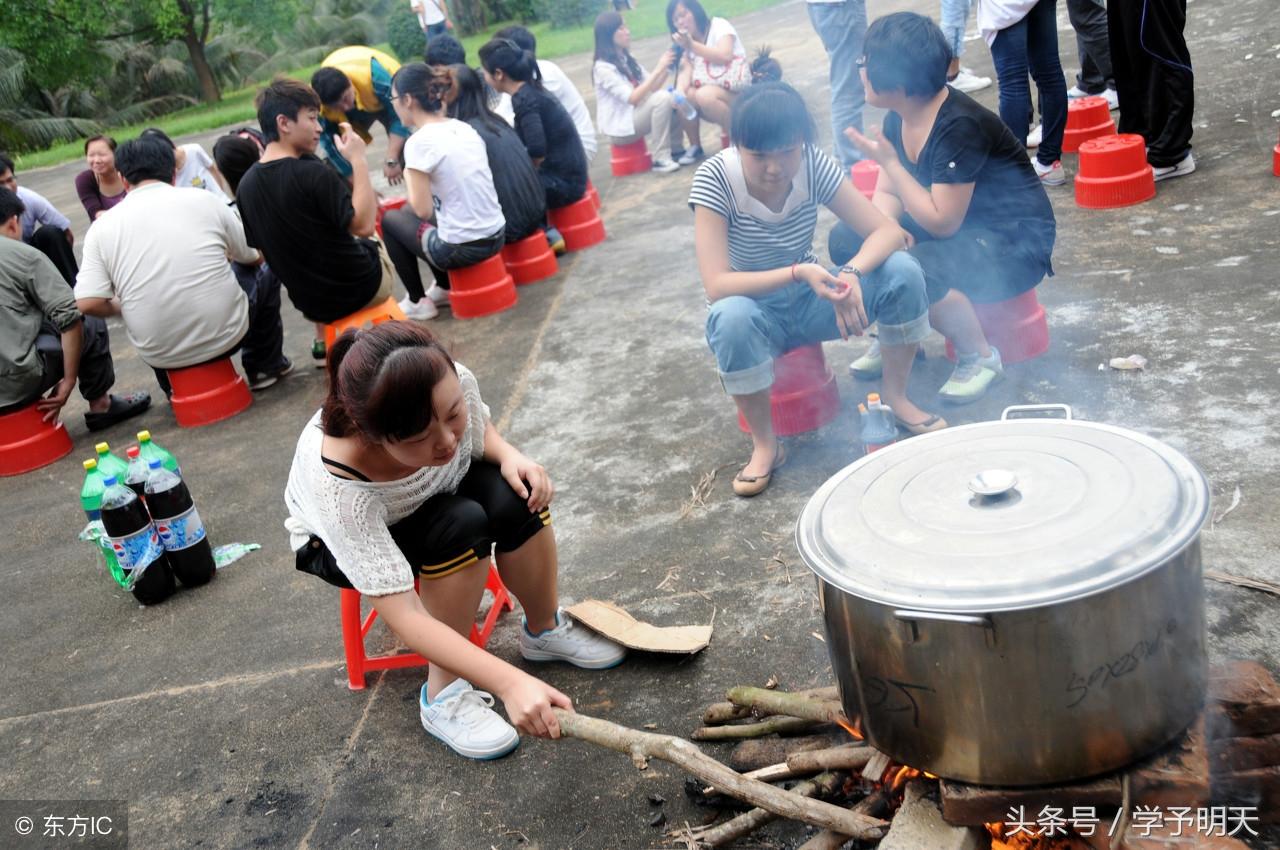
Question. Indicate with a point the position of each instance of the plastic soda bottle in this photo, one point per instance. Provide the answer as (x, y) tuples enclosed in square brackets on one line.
[(136, 543), (878, 429), (178, 523), (92, 490), (136, 475), (687, 109), (150, 450), (109, 464)]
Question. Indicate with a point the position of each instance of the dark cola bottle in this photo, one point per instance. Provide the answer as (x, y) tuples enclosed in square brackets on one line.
[(136, 476), (136, 543), (181, 532)]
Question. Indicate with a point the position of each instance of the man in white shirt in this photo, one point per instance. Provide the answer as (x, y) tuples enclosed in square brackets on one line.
[(159, 261), (433, 17), (557, 82), (43, 226)]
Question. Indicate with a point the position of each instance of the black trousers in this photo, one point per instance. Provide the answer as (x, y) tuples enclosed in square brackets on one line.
[(52, 242), (1153, 75), (1089, 20), (561, 189), (97, 370)]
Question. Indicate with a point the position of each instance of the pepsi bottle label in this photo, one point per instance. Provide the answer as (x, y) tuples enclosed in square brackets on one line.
[(137, 550), (182, 531)]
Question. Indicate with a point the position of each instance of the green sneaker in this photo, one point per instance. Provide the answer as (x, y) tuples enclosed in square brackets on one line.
[(869, 366), (317, 353), (972, 376)]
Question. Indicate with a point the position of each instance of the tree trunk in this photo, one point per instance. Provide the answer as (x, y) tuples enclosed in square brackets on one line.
[(209, 92)]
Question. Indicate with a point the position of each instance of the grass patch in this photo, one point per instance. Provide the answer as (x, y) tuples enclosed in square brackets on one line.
[(237, 107)]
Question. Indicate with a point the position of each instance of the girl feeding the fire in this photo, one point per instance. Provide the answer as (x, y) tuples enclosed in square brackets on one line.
[(402, 476)]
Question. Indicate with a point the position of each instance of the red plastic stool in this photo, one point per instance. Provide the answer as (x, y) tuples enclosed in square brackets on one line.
[(483, 289), (1114, 172), (1087, 118), (1017, 327), (579, 223), (27, 442), (530, 259), (865, 174), (206, 394), (593, 195), (1275, 161), (387, 311), (354, 632), (385, 206), (631, 158), (804, 395)]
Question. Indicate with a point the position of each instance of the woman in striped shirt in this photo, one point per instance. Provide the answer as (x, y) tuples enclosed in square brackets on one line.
[(755, 210)]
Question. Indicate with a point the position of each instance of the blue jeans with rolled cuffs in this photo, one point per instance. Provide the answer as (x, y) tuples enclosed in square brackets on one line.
[(746, 333)]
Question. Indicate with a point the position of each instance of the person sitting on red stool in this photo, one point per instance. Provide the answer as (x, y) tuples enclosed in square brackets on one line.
[(961, 184), (45, 346)]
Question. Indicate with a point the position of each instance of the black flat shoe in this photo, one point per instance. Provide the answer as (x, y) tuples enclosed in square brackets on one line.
[(122, 407)]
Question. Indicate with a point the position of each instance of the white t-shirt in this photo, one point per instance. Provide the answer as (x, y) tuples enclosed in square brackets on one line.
[(996, 15), (195, 172), (562, 88), (718, 29), (614, 115), (429, 12), (454, 156), (163, 252)]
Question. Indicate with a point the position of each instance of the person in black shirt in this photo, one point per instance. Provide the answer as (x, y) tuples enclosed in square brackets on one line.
[(548, 133), (961, 185), (313, 229)]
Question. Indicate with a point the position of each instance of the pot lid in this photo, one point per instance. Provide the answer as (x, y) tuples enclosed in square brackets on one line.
[(999, 516)]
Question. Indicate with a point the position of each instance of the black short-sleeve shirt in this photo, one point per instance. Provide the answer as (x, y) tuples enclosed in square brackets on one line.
[(297, 211), (548, 133), (970, 144)]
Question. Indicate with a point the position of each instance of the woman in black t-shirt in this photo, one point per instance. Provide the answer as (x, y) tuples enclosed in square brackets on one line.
[(961, 185)]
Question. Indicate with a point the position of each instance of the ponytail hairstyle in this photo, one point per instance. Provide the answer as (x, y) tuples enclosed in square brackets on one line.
[(430, 86), (503, 54), (381, 381), (770, 117), (764, 68), (607, 23), (471, 101)]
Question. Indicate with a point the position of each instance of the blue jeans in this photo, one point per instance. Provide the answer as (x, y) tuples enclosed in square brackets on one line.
[(1032, 45), (842, 26), (955, 15), (746, 333), (434, 30)]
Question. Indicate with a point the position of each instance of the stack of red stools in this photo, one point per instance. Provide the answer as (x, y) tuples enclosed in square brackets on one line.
[(579, 223), (484, 288), (1017, 327), (27, 442), (1275, 161), (593, 195), (1087, 118), (385, 206), (631, 158), (206, 394), (865, 173), (1114, 172), (804, 394), (530, 259)]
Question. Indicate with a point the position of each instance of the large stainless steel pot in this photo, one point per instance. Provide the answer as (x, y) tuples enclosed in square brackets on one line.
[(1016, 602)]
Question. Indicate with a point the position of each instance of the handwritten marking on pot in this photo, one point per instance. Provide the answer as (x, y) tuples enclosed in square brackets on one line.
[(1118, 667), (879, 692)]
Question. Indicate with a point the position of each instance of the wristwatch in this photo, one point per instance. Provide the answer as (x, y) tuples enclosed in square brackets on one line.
[(853, 270), (392, 162)]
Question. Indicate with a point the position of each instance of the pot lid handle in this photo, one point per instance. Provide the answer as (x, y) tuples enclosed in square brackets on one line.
[(1034, 409), (992, 483)]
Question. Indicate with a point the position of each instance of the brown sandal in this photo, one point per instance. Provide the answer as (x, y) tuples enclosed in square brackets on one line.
[(747, 486), (928, 426)]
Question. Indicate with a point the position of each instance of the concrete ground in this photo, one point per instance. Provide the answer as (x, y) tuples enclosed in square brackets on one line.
[(223, 715)]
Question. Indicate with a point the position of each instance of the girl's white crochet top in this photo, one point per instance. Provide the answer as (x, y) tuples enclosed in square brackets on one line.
[(352, 517)]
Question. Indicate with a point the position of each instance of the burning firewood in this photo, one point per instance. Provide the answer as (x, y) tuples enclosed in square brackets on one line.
[(757, 753), (726, 712), (642, 746), (822, 785), (873, 805)]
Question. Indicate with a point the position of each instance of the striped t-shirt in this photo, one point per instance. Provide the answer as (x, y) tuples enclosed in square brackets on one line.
[(760, 239)]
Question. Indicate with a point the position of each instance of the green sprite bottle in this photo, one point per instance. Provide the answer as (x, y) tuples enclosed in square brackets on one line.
[(108, 464), (91, 492), (151, 450)]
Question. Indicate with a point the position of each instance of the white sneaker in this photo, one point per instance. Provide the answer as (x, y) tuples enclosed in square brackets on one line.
[(464, 719), (570, 642), (1076, 92), (418, 310), (1113, 99), (1050, 175), (1183, 168), (438, 296), (691, 156), (1033, 138), (967, 81), (870, 365), (665, 166)]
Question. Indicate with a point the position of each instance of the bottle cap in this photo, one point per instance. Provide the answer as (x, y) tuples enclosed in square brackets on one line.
[(132, 452), (873, 398), (110, 480), (144, 436), (91, 464), (102, 448), (154, 463), (862, 408)]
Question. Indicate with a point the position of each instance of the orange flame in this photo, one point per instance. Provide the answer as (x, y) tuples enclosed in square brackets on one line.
[(853, 728)]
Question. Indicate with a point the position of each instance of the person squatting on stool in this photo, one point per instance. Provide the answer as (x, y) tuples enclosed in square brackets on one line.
[(755, 208), (960, 182), (402, 475)]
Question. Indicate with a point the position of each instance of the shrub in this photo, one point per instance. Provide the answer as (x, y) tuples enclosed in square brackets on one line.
[(404, 34), (562, 14)]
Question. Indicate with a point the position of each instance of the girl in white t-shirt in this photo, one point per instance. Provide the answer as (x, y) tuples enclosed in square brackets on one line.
[(195, 169), (453, 218), (402, 479), (713, 67), (631, 103)]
